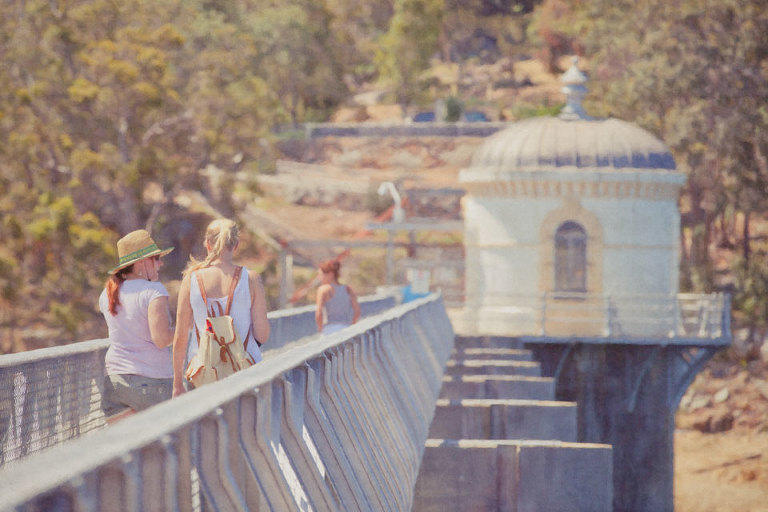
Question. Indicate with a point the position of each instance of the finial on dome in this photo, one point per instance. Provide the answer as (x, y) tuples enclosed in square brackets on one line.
[(574, 90)]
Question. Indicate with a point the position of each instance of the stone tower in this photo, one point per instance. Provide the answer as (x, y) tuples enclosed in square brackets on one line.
[(571, 227)]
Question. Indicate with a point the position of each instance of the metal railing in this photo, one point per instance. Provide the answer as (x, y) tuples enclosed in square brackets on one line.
[(51, 395), (338, 423), (694, 317)]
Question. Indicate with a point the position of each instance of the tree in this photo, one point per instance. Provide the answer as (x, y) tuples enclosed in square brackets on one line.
[(110, 110), (405, 50), (299, 56)]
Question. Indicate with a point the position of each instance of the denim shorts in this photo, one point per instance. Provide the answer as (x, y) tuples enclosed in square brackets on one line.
[(135, 392)]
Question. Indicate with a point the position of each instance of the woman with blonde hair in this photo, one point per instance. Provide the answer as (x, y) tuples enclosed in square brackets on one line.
[(135, 306), (216, 273), (337, 305)]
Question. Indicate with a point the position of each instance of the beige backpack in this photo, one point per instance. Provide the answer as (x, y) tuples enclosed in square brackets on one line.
[(220, 352)]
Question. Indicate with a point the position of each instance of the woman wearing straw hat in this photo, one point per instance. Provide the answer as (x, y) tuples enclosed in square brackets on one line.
[(135, 306), (217, 273)]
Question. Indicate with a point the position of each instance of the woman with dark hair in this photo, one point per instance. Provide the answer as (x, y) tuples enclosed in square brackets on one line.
[(135, 307), (337, 305)]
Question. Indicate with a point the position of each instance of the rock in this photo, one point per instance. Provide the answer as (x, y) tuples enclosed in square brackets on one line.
[(714, 423), (721, 396), (762, 387), (699, 402), (748, 475), (702, 425), (384, 113), (369, 98), (722, 423), (350, 115)]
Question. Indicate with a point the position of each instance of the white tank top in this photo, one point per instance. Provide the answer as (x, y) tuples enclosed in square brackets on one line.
[(240, 313)]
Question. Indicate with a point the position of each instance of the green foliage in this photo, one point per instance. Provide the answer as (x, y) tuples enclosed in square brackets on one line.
[(404, 51), (751, 284), (453, 109), (299, 56), (526, 111), (112, 109), (82, 90), (367, 274)]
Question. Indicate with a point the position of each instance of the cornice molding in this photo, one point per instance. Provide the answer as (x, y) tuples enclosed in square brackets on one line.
[(654, 191)]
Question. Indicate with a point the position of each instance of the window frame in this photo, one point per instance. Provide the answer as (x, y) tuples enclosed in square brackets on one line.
[(570, 250)]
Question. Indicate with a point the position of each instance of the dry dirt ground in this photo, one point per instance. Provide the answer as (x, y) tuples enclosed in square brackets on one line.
[(726, 470)]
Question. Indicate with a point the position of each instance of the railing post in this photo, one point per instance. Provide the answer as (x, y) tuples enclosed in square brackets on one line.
[(286, 277), (725, 315), (704, 316), (390, 258), (675, 316)]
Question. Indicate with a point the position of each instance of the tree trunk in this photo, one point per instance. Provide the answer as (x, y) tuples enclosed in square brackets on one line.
[(745, 239)]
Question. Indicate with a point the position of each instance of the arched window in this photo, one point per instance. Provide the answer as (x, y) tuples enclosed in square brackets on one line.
[(570, 258)]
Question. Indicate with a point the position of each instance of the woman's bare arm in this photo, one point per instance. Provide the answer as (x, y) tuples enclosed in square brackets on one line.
[(160, 327), (181, 336), (259, 319), (355, 304), (322, 293)]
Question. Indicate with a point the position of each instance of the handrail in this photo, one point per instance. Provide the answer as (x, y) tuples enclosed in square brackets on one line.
[(699, 318), (301, 430), (51, 395)]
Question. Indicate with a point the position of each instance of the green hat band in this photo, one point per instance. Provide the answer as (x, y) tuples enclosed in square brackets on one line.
[(136, 255)]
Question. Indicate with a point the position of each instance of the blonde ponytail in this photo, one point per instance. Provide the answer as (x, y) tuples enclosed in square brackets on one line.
[(221, 235)]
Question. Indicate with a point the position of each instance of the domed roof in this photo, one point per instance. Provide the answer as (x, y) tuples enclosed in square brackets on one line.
[(550, 143), (572, 141)]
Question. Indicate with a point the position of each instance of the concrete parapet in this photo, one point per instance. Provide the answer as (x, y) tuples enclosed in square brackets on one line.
[(339, 423), (498, 386), (505, 419), (492, 367), (61, 387), (514, 476), (399, 129), (292, 324)]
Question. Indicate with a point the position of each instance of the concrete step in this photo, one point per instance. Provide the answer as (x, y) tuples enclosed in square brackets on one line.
[(514, 476), (491, 353), (497, 386), (488, 342), (492, 367), (505, 419)]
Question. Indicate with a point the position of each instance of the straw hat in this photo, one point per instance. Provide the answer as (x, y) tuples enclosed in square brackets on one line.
[(136, 246)]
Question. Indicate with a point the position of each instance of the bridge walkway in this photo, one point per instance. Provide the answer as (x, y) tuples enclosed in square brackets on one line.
[(338, 423), (394, 413)]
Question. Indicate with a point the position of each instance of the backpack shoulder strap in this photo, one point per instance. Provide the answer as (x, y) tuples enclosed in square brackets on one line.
[(205, 301), (232, 286), (248, 337), (202, 289)]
